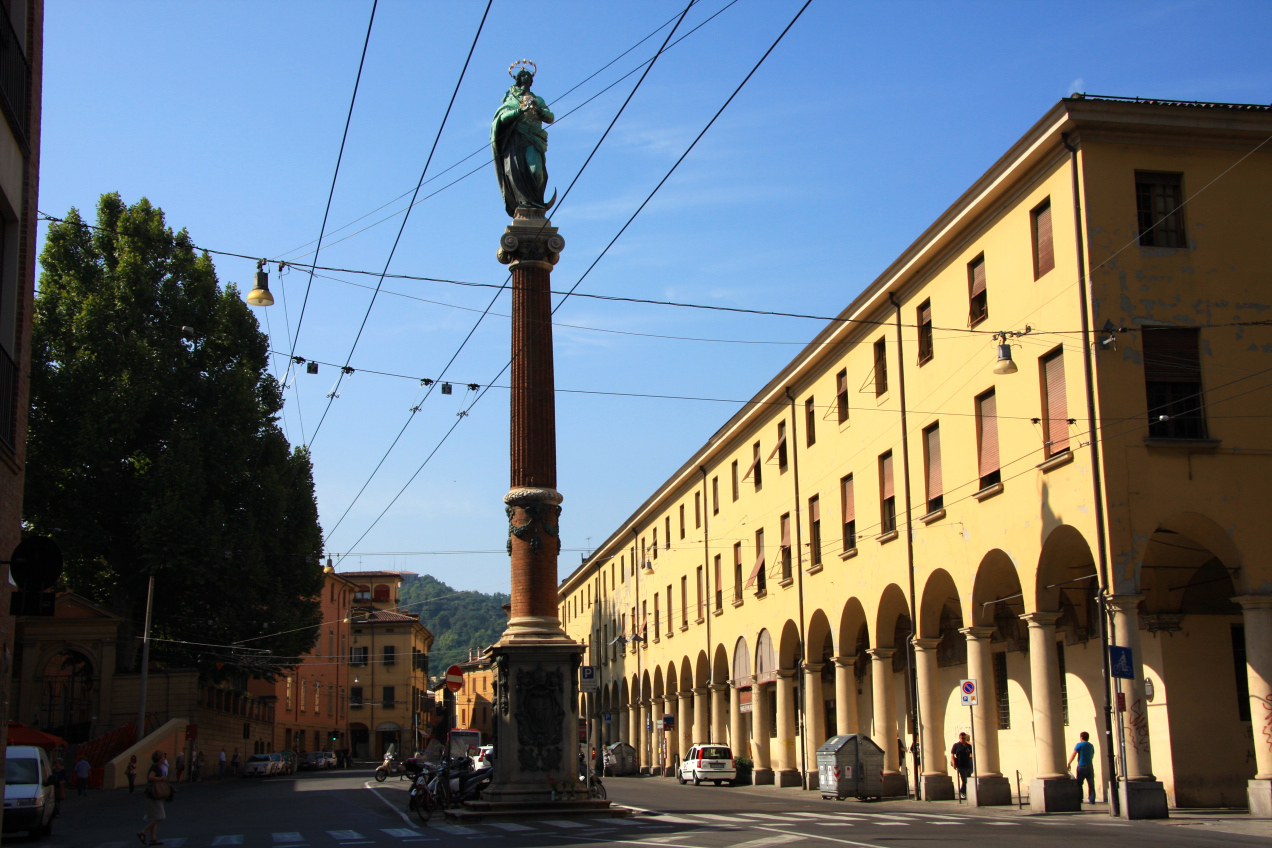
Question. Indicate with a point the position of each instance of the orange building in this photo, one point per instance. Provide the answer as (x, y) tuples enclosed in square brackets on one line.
[(312, 700), (474, 702)]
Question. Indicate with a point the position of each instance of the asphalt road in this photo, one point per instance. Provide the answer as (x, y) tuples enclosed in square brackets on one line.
[(343, 809)]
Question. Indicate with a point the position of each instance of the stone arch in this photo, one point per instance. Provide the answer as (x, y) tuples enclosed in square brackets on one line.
[(646, 690), (686, 675), (765, 656), (851, 620), (68, 693), (788, 655), (658, 682), (702, 670), (997, 585), (741, 666), (939, 591), (892, 608), (1065, 561), (818, 634), (720, 665)]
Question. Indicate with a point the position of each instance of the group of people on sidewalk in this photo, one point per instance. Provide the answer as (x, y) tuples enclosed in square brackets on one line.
[(1083, 752)]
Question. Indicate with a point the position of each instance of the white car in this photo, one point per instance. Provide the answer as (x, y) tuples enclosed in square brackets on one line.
[(707, 762), (28, 801), (484, 756), (262, 765)]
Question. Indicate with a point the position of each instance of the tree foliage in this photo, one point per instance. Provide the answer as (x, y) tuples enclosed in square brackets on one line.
[(457, 620), (154, 450)]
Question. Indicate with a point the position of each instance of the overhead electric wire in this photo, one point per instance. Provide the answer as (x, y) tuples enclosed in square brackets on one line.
[(497, 294), (331, 194), (387, 262), (482, 394)]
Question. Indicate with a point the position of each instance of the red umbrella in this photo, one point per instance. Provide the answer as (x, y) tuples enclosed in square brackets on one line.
[(20, 734)]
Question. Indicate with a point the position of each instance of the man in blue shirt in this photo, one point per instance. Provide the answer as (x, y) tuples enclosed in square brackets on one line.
[(1085, 753)]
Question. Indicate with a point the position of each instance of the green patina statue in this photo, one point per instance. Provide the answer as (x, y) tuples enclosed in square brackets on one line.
[(518, 142)]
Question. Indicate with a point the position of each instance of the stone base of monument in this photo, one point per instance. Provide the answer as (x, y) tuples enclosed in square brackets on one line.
[(535, 728)]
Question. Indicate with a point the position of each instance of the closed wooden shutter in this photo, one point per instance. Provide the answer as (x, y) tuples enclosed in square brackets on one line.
[(756, 569), (1172, 355), (849, 499), (925, 312), (978, 277), (1057, 404), (885, 475), (814, 509), (1044, 250), (934, 462), (786, 531), (987, 419)]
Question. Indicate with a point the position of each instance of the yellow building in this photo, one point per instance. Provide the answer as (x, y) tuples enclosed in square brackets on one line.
[(901, 509), (388, 674)]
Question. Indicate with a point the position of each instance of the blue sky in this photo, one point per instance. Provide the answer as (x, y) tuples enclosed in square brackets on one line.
[(864, 124)]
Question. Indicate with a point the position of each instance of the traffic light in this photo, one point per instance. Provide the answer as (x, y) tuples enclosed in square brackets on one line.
[(335, 736)]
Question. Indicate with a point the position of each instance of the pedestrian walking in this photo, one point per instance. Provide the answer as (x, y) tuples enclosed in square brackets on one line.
[(234, 762), (220, 765), (1084, 751), (57, 779), (180, 764), (196, 766), (961, 759), (82, 769), (131, 771), (158, 791)]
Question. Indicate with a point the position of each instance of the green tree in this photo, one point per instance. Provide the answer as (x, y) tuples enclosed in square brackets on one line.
[(457, 620), (155, 449)]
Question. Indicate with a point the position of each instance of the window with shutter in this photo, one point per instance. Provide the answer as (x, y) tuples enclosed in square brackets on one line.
[(810, 423), (932, 459), (1055, 413), (697, 510), (848, 508), (719, 584), (925, 331), (1159, 201), (814, 531), (881, 367), (756, 470), (780, 448), (715, 495), (667, 532), (887, 496), (978, 309), (735, 479), (987, 439), (1172, 380), (1044, 254), (841, 394), (786, 546), (737, 572), (757, 576)]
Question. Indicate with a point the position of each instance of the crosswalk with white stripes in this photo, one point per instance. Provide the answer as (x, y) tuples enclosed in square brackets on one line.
[(649, 822)]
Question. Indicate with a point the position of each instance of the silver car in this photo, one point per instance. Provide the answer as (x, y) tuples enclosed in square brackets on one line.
[(262, 765), (707, 762), (28, 801)]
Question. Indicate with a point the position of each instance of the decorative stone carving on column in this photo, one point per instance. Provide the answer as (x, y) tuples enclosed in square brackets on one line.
[(1256, 612), (988, 788), (935, 779), (885, 720), (1143, 796), (846, 695), (1051, 790)]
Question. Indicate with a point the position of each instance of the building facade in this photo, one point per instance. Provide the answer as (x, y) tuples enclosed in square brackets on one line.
[(907, 505), (475, 700), (21, 86), (388, 667), (312, 700)]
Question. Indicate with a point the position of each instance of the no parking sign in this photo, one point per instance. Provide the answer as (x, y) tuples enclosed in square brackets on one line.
[(967, 688)]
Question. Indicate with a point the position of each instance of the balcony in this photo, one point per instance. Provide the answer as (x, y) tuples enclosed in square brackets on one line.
[(15, 81)]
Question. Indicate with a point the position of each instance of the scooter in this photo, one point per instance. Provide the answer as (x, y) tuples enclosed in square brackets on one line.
[(390, 767)]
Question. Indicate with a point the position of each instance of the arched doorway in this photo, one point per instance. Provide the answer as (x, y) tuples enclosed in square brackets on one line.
[(388, 734), (67, 694), (359, 741)]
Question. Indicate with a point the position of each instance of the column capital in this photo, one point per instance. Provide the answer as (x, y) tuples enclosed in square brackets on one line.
[(647, 703), (1041, 618), (1124, 603), (786, 674), (814, 668), (719, 687), (701, 690), (1249, 603), (881, 654), (927, 643), (982, 631), (844, 662), (686, 695)]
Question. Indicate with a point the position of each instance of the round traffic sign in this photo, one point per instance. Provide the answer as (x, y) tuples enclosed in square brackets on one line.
[(454, 678), (969, 687)]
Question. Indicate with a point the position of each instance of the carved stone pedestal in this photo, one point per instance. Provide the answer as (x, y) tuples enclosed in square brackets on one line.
[(535, 723)]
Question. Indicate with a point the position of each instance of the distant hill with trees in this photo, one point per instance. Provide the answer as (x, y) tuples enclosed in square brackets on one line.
[(457, 620)]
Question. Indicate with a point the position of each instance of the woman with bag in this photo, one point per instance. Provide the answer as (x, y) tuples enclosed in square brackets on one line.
[(158, 791), (131, 771)]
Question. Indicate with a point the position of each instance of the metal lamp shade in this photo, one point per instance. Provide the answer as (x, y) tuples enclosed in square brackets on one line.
[(259, 295), (1005, 365)]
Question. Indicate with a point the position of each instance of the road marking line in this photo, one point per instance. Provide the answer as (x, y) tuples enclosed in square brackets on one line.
[(236, 839), (403, 816), (456, 830), (1004, 824), (945, 824), (290, 836), (714, 817), (676, 819), (510, 826), (401, 832), (344, 835), (822, 837), (892, 824), (771, 816), (565, 823), (776, 839)]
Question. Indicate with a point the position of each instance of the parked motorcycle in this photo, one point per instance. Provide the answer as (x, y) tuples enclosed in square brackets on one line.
[(456, 781), (391, 767), (420, 799)]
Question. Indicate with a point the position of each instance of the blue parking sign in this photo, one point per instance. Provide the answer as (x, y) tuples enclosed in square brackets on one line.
[(1120, 663)]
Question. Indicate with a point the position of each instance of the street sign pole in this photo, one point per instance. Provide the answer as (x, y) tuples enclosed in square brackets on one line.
[(971, 697)]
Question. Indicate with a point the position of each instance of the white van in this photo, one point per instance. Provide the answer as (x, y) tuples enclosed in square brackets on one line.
[(28, 792)]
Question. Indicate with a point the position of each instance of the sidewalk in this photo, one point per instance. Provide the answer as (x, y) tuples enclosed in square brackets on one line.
[(1217, 820)]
